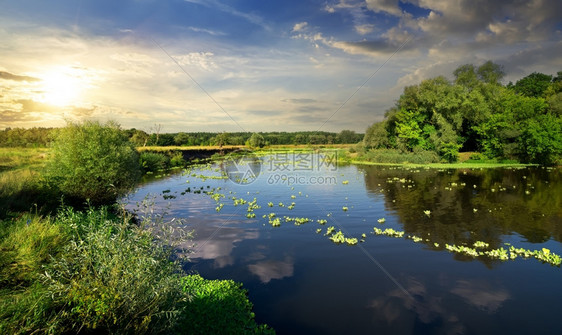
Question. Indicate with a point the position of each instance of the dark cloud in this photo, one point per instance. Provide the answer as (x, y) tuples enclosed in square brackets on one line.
[(9, 76)]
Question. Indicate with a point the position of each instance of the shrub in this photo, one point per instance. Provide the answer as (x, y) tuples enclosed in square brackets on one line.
[(93, 161), (256, 141), (153, 161), (177, 160), (217, 307)]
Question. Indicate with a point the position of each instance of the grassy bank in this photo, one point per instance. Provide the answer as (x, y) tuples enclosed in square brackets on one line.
[(96, 271), (66, 270)]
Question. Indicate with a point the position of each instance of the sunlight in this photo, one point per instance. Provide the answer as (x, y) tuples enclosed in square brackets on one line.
[(62, 86)]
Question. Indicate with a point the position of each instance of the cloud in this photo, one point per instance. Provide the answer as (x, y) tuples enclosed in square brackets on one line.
[(364, 29), (255, 19), (299, 26), (299, 101), (385, 6), (207, 31), (9, 76), (202, 60)]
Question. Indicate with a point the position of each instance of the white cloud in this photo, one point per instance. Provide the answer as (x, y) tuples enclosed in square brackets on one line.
[(364, 29), (299, 26), (386, 6)]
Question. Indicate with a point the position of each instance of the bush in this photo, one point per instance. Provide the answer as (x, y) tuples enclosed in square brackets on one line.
[(177, 160), (256, 141), (217, 307), (94, 272), (87, 272), (153, 161), (93, 161)]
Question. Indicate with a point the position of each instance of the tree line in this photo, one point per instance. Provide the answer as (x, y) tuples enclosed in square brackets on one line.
[(476, 112), (41, 137)]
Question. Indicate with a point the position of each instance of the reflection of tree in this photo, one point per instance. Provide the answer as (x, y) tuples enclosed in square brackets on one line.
[(524, 201)]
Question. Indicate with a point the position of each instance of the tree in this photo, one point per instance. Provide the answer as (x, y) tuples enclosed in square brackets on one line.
[(256, 141), (376, 136), (465, 75), (346, 136), (540, 140), (182, 139), (221, 139), (490, 73), (534, 85), (93, 161)]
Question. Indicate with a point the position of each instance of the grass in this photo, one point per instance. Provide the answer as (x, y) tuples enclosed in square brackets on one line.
[(94, 271), (22, 158), (465, 165)]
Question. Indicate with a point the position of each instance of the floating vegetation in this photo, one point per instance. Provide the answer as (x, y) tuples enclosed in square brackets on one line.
[(219, 207), (251, 215), (388, 232), (427, 212), (296, 220), (318, 231), (322, 221), (330, 230), (270, 204), (345, 209), (275, 222), (381, 220), (345, 182)]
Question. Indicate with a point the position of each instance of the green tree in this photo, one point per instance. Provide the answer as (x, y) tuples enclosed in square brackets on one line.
[(256, 141), (221, 139), (490, 73), (533, 85), (541, 140), (346, 136), (376, 136), (182, 139), (93, 161)]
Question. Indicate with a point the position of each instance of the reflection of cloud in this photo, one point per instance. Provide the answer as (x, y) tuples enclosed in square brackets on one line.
[(270, 269), (481, 295), (427, 309), (219, 247)]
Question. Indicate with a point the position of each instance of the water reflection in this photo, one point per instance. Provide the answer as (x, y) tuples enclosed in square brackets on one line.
[(217, 243), (470, 205), (481, 294), (272, 269)]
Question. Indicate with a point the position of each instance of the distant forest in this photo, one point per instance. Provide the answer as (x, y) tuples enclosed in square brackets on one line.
[(475, 112), (41, 137)]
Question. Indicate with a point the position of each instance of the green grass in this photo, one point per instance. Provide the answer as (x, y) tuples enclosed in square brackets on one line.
[(21, 158), (466, 165), (94, 271)]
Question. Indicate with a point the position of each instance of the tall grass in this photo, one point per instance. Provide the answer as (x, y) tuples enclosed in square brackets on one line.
[(96, 272)]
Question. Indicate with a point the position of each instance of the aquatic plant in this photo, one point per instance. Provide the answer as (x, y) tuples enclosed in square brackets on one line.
[(344, 208), (345, 182), (322, 221), (381, 220), (427, 212)]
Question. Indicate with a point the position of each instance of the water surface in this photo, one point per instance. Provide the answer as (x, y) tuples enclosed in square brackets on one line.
[(302, 283)]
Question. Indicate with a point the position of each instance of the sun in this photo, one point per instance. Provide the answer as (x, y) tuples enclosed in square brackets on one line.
[(61, 87)]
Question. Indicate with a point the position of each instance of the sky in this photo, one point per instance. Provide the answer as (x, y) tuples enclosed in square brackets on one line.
[(252, 65)]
